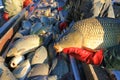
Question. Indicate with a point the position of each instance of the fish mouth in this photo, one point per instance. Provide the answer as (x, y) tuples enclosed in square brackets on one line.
[(57, 48)]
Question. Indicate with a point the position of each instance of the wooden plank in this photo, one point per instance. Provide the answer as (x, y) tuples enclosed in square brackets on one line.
[(6, 38)]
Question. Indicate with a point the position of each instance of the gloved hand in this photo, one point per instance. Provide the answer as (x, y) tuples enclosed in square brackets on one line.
[(63, 25), (60, 8), (6, 16), (84, 55)]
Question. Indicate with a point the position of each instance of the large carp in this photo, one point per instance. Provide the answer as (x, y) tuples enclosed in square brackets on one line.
[(93, 33)]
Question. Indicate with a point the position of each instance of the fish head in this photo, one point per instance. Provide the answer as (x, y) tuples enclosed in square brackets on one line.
[(12, 52), (72, 39)]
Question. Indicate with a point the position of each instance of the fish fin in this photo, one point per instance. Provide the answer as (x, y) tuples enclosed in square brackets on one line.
[(18, 35)]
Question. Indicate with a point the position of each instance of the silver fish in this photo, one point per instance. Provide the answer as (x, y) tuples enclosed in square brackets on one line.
[(35, 28), (16, 60), (39, 29), (30, 56), (40, 56), (38, 77), (24, 32), (22, 70), (61, 67), (26, 24), (53, 77), (39, 69), (52, 20), (51, 52), (24, 45), (5, 73), (45, 21), (93, 33)]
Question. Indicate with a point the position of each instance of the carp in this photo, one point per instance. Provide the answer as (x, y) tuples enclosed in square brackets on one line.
[(24, 45), (92, 33)]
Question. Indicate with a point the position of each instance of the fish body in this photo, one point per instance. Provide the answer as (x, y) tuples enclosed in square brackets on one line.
[(5, 73), (26, 25), (60, 68), (54, 77), (93, 33), (22, 70), (35, 28), (16, 60), (40, 56), (39, 29), (45, 20), (39, 70), (24, 45)]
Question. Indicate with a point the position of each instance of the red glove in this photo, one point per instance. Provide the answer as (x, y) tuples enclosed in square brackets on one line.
[(84, 55), (27, 2), (60, 9), (6, 16), (63, 25)]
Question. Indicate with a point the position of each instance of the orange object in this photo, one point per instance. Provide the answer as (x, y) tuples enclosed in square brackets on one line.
[(6, 16), (27, 2)]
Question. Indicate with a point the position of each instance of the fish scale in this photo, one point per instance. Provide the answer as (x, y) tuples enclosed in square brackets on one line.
[(94, 33)]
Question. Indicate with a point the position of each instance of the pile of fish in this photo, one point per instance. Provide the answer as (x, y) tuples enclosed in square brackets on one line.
[(28, 58)]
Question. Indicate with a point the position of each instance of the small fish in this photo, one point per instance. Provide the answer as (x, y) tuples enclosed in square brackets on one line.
[(22, 70), (24, 32), (53, 21), (40, 56), (38, 77), (45, 21), (35, 28), (30, 56), (39, 29), (93, 33), (53, 77), (24, 45), (26, 25), (5, 73), (39, 69), (16, 60), (51, 51), (60, 68)]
